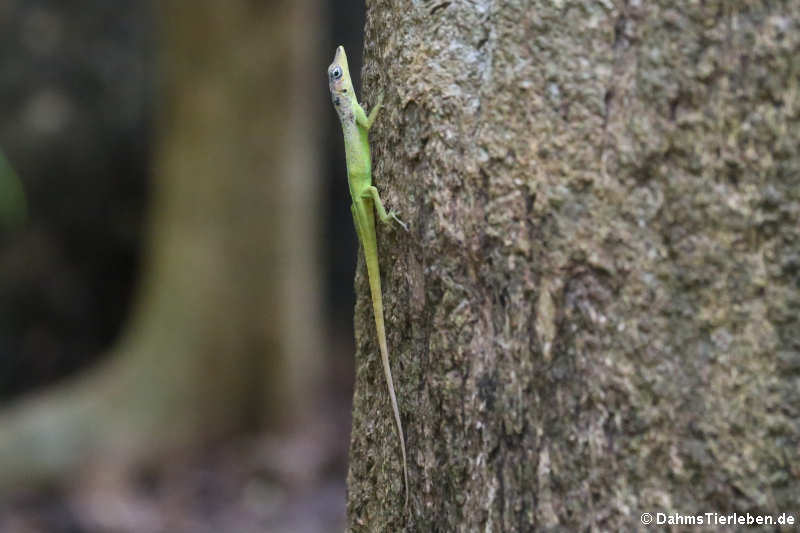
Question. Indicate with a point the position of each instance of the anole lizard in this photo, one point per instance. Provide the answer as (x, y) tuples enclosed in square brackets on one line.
[(355, 126)]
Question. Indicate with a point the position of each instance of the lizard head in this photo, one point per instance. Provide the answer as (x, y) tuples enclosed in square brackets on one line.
[(339, 78)]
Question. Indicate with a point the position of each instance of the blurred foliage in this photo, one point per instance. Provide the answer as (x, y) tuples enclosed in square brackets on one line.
[(75, 100), (13, 206)]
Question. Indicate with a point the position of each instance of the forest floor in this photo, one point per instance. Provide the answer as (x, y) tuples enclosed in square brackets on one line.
[(286, 483)]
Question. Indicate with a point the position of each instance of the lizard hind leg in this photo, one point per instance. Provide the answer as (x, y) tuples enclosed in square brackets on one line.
[(371, 192)]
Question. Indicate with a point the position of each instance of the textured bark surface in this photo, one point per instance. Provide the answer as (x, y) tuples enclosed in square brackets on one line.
[(595, 314), (223, 336)]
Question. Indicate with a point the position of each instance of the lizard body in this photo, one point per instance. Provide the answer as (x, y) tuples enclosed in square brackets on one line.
[(365, 197)]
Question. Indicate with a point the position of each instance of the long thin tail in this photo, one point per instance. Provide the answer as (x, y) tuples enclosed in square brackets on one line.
[(374, 275)]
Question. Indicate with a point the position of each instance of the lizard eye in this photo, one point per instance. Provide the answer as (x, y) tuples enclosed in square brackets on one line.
[(336, 73)]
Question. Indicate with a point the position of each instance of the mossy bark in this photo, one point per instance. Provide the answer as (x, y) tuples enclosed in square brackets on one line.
[(223, 336), (596, 313)]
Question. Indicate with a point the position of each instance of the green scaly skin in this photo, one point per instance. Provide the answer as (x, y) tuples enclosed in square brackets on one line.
[(355, 126)]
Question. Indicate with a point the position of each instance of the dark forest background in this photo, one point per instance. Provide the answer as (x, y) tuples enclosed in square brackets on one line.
[(78, 106), (77, 101)]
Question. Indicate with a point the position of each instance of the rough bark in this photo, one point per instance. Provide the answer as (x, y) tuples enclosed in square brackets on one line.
[(223, 335), (595, 314)]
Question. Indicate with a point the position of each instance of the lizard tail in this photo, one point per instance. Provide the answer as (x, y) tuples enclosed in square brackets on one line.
[(373, 273)]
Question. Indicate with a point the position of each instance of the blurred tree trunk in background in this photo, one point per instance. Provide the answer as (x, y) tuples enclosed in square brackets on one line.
[(225, 333), (596, 313)]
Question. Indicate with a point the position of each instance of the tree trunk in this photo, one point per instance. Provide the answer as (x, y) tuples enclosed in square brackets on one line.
[(596, 312), (223, 336)]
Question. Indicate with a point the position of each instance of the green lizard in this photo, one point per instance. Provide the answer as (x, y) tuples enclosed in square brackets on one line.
[(355, 126)]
